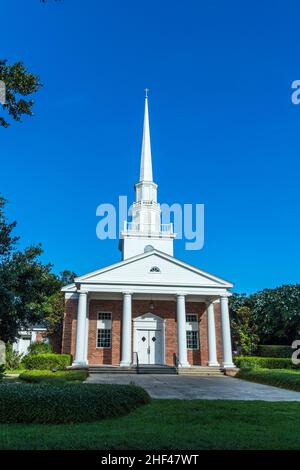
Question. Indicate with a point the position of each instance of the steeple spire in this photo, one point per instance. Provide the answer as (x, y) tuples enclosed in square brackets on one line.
[(145, 230), (146, 160)]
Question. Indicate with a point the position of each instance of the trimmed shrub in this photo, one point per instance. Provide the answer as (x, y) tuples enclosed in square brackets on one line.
[(13, 359), (47, 361), (253, 362), (40, 348), (268, 350), (47, 376), (283, 378), (69, 403)]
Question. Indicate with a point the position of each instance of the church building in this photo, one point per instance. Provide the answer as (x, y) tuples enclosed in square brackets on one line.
[(150, 309)]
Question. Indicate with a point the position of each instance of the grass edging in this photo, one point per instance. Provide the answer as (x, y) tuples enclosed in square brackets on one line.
[(282, 378)]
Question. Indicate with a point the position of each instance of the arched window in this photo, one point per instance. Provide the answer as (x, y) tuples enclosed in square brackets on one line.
[(155, 269)]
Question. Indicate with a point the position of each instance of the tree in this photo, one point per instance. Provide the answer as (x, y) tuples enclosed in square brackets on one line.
[(276, 313), (25, 282), (7, 240), (17, 82), (239, 300), (54, 306), (244, 331)]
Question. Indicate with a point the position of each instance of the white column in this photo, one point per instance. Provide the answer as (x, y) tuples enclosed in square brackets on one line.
[(86, 335), (211, 335), (126, 356), (181, 331), (80, 352), (226, 336)]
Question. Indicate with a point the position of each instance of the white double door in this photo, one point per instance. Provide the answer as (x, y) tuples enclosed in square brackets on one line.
[(149, 346)]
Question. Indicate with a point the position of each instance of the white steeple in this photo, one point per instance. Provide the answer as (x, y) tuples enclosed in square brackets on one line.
[(145, 231), (146, 160)]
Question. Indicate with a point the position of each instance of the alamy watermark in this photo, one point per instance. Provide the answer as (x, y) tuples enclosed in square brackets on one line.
[(185, 221), (296, 353), (2, 92)]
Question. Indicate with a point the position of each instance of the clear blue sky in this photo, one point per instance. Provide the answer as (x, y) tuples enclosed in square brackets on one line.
[(224, 131)]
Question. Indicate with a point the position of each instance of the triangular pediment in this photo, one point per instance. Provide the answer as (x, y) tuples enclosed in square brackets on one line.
[(153, 268)]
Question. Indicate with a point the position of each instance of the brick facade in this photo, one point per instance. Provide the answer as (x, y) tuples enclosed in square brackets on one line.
[(162, 308)]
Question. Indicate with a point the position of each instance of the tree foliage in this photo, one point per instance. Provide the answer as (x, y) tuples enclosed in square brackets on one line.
[(26, 283), (19, 85), (54, 305), (275, 312), (244, 331)]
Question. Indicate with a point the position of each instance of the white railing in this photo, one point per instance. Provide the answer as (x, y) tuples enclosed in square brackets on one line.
[(146, 203), (147, 227)]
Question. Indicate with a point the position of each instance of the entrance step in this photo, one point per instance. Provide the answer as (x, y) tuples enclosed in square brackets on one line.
[(142, 369), (201, 371), (111, 370), (156, 369), (153, 369)]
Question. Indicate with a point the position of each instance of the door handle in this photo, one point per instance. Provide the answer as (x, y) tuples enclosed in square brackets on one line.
[(148, 350)]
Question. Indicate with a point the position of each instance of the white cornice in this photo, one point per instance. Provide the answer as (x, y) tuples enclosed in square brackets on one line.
[(212, 277)]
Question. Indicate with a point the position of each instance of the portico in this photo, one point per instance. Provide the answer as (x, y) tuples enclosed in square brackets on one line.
[(153, 326)]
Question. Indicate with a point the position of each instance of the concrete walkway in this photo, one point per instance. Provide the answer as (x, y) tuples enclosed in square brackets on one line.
[(207, 388)]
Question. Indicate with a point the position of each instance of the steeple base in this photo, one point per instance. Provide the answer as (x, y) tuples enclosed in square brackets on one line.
[(135, 245)]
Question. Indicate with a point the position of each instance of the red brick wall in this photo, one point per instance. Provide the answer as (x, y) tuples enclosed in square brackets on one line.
[(69, 328), (105, 355), (218, 332), (162, 308)]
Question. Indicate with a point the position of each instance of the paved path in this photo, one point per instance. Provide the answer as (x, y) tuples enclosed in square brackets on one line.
[(208, 388)]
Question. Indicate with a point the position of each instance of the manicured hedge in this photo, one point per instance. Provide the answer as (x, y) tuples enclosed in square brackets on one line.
[(283, 378), (47, 361), (47, 376), (69, 403), (268, 350), (253, 362)]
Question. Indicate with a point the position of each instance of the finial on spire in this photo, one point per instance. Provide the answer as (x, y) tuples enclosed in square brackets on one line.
[(146, 92)]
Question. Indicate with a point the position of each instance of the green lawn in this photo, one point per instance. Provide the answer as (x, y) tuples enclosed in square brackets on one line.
[(283, 378), (171, 424)]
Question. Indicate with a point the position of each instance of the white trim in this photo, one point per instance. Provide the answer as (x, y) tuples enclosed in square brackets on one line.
[(212, 277), (155, 289)]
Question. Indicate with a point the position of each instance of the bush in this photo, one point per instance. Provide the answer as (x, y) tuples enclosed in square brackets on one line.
[(253, 362), (46, 361), (266, 350), (47, 376), (40, 348), (69, 403), (283, 378), (12, 358)]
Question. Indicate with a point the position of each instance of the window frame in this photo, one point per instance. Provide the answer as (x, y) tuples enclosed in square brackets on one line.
[(196, 332), (193, 327), (108, 318), (98, 338)]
